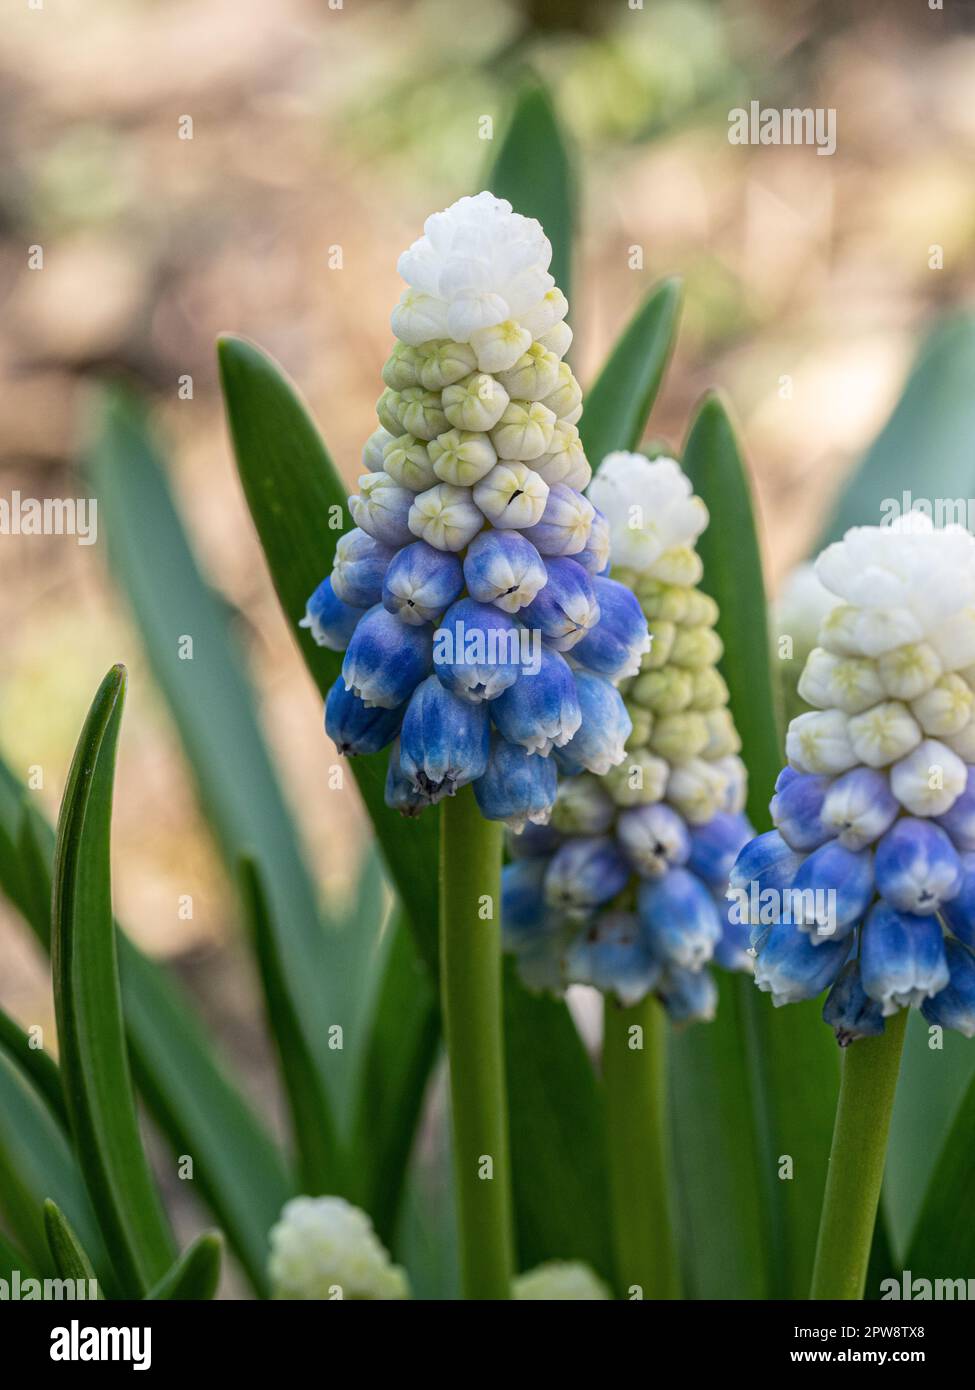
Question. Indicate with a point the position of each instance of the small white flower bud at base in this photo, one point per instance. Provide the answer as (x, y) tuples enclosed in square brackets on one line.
[(723, 737), (696, 647), (709, 689), (533, 377), (407, 461), (908, 671), (499, 347), (930, 780), (563, 457), (847, 683), (954, 641), (640, 779), (681, 565), (667, 691), (560, 1281), (696, 789), (323, 1244), (387, 412), (524, 431), (820, 742), (946, 708), (372, 450), (442, 363), (883, 734), (837, 631), (462, 457), (512, 497), (445, 517), (476, 403), (558, 339)]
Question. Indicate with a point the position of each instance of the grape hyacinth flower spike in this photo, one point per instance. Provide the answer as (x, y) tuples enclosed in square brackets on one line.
[(474, 571), (624, 889), (475, 563), (865, 885), (627, 891)]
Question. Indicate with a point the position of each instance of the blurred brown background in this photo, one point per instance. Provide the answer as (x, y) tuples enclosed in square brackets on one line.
[(807, 287)]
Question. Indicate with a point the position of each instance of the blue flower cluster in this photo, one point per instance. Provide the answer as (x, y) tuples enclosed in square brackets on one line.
[(479, 626), (852, 894), (625, 889)]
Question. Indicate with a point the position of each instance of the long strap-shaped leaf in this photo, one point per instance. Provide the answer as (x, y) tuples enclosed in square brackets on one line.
[(37, 1065), (196, 1273), (792, 1052), (69, 1255), (618, 403), (239, 1170), (94, 1062), (944, 1240)]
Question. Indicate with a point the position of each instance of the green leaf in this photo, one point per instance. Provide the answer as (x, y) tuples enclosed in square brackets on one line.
[(36, 1163), (88, 1005), (14, 1261), (67, 1252), (556, 1133), (295, 495), (239, 1170), (533, 171), (792, 1053), (210, 700), (943, 1245), (618, 404), (313, 1132), (196, 1273), (36, 1064), (926, 443), (396, 1062), (291, 488)]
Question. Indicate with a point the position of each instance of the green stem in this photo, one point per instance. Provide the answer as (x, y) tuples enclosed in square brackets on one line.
[(856, 1162), (470, 985), (636, 1121)]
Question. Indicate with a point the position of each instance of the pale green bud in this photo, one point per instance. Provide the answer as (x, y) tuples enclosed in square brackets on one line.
[(499, 347), (662, 637), (408, 462), (681, 565), (880, 735), (420, 412), (723, 737), (565, 400), (701, 610), (642, 721), (475, 403), (445, 517), (565, 460), (388, 413), (511, 496), (582, 806), (667, 691), (372, 450), (929, 780), (696, 647), (524, 431), (946, 708), (821, 741), (461, 457), (709, 689), (963, 743), (324, 1248), (909, 671), (550, 310), (533, 377), (402, 367), (558, 339), (443, 362), (679, 736), (850, 683), (640, 779), (696, 789), (838, 630)]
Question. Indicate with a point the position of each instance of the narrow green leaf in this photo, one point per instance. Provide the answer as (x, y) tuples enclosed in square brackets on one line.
[(295, 495), (87, 1001), (556, 1133), (943, 1245), (618, 404), (925, 448), (725, 1232), (196, 1273), (292, 489), (313, 1133), (397, 1059), (14, 1261), (239, 1170), (36, 1163), (67, 1252), (36, 1064), (210, 700), (533, 171), (792, 1052)]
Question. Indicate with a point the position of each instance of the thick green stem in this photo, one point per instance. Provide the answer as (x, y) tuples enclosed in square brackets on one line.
[(856, 1162), (470, 984), (634, 1071)]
